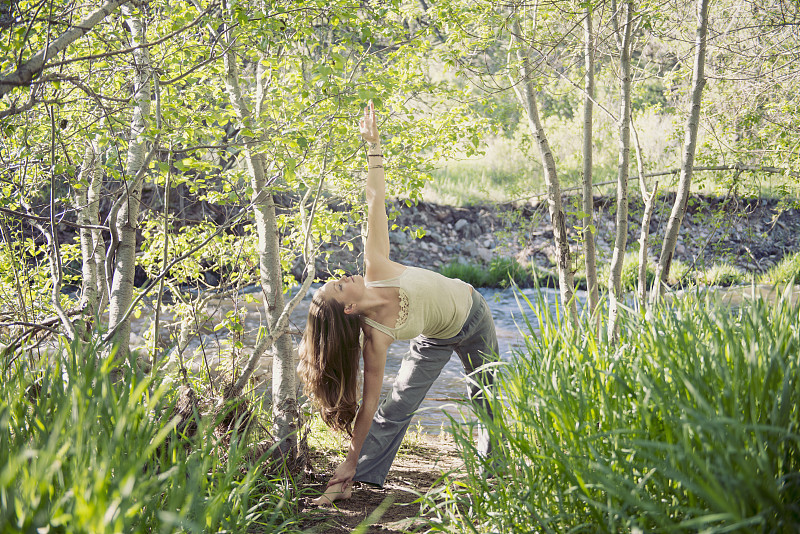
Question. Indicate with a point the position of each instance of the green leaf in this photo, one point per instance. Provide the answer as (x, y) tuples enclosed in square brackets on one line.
[(289, 170)]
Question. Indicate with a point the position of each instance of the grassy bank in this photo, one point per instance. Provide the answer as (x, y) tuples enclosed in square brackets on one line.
[(86, 446), (691, 423), (501, 271)]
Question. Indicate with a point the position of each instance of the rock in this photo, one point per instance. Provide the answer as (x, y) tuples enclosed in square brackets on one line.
[(474, 230), (432, 235), (210, 278), (469, 249), (484, 254), (398, 238), (473, 234)]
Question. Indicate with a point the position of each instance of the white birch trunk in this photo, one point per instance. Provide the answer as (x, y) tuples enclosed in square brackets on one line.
[(644, 238), (89, 286), (98, 245), (644, 233), (564, 261), (689, 148), (125, 223), (284, 384), (590, 259), (621, 237)]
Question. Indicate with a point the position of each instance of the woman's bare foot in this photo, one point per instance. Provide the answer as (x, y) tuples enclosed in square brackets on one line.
[(336, 492)]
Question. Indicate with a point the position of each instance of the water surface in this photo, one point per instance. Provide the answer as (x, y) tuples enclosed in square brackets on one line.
[(446, 396)]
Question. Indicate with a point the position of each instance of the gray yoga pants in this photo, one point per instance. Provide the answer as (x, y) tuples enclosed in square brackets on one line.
[(476, 345)]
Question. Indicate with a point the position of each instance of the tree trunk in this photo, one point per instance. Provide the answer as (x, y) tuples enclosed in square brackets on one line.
[(125, 223), (689, 147), (644, 234), (621, 238), (98, 244), (89, 285), (589, 254), (284, 384), (528, 100)]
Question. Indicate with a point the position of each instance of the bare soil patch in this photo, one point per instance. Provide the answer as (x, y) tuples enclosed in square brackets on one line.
[(415, 471)]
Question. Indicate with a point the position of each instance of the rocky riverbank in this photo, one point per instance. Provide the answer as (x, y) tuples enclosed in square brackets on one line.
[(752, 234)]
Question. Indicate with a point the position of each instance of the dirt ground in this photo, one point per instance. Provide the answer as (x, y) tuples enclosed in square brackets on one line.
[(415, 471)]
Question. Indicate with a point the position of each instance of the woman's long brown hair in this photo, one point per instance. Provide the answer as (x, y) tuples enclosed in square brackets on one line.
[(329, 354)]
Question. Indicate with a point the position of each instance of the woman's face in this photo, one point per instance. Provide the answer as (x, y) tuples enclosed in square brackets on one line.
[(347, 290)]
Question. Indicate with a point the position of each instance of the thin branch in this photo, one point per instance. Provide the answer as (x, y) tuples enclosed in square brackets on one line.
[(34, 66), (27, 106), (167, 268), (37, 326), (134, 48), (203, 63), (91, 92), (36, 218), (160, 294)]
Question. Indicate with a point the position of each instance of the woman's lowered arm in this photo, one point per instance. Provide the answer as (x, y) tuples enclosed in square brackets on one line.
[(375, 347)]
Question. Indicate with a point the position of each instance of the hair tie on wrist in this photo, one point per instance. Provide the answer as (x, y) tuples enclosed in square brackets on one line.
[(376, 167), (370, 155)]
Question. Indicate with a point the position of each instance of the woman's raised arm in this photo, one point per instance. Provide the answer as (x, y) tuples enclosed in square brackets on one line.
[(376, 249)]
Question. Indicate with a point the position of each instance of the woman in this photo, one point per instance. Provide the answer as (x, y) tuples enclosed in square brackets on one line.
[(390, 302)]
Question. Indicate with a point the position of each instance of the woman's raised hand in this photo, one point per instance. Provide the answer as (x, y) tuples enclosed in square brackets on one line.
[(367, 126)]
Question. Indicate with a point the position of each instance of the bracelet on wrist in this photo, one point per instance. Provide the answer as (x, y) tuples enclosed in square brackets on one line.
[(375, 167), (374, 155)]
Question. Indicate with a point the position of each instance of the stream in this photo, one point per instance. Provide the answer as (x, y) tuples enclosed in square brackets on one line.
[(444, 397)]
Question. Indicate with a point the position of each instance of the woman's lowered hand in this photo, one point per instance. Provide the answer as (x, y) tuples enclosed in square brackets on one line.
[(343, 474)]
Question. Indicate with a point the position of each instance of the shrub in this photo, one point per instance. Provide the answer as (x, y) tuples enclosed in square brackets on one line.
[(468, 272), (630, 272), (679, 274), (503, 270)]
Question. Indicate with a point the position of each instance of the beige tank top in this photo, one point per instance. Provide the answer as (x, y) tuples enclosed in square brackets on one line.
[(430, 304)]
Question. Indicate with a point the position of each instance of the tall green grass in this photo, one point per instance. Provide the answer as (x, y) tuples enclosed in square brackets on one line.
[(82, 452), (690, 424)]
